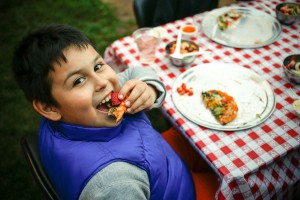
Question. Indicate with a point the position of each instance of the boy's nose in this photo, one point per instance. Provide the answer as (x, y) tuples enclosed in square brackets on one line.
[(100, 82)]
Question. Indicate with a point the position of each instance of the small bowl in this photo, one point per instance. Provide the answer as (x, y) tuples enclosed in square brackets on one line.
[(189, 31), (186, 45), (292, 70), (296, 106), (288, 18)]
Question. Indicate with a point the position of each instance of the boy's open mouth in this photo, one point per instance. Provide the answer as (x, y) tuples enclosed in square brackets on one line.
[(109, 102), (113, 106), (105, 104)]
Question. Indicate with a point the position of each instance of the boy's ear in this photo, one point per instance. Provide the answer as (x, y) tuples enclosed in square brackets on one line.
[(47, 111)]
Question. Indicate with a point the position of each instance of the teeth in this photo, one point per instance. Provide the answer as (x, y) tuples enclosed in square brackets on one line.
[(107, 99)]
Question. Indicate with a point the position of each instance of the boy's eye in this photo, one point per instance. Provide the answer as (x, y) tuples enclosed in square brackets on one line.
[(78, 81), (98, 66)]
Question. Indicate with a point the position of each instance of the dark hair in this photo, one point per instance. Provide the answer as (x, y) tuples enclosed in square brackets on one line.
[(36, 55)]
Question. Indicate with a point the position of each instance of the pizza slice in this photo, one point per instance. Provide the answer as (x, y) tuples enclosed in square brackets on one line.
[(113, 106), (118, 107), (118, 111), (228, 19), (221, 105)]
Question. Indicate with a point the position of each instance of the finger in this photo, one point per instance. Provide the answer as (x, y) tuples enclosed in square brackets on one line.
[(126, 88), (141, 103), (142, 106), (138, 109), (139, 91)]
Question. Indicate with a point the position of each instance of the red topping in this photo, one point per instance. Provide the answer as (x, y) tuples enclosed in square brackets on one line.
[(115, 101), (183, 89)]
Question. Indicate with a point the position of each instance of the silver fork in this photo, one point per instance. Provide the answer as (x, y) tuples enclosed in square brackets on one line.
[(292, 93)]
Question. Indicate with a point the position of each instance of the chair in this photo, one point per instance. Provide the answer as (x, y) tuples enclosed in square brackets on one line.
[(30, 147), (150, 13)]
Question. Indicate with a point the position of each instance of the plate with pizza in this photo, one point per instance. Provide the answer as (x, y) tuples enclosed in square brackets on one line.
[(241, 27), (223, 96)]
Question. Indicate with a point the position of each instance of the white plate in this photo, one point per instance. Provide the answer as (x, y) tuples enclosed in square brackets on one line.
[(253, 95), (255, 29)]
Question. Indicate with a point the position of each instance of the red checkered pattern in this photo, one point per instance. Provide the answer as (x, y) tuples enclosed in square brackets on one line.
[(262, 162)]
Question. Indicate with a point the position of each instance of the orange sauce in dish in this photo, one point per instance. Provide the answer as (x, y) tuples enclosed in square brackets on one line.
[(189, 29)]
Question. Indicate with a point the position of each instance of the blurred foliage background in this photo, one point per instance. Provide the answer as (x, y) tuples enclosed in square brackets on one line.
[(98, 20)]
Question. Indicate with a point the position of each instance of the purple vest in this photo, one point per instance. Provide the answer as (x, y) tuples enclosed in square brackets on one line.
[(72, 155)]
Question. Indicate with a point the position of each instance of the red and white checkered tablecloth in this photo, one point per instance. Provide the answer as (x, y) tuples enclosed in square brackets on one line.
[(262, 162)]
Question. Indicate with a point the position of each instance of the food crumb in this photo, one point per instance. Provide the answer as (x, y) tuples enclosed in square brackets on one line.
[(257, 42)]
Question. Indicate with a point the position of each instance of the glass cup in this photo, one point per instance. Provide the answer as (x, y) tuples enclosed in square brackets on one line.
[(147, 40)]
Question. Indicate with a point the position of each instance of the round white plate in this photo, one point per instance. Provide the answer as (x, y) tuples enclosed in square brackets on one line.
[(253, 95), (255, 29)]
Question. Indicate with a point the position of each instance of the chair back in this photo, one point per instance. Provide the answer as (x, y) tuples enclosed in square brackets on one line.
[(31, 151), (150, 13)]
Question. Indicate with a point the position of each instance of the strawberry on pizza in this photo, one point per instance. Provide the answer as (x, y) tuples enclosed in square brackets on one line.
[(221, 105), (113, 106)]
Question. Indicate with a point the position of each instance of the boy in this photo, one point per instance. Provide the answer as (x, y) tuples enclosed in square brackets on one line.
[(85, 152)]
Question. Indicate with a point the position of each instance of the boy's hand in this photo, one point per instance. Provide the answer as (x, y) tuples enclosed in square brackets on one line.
[(139, 94)]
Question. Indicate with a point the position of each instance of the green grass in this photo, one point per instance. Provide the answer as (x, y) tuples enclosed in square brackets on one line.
[(98, 21)]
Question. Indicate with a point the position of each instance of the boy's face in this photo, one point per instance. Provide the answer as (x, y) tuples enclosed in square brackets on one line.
[(80, 85)]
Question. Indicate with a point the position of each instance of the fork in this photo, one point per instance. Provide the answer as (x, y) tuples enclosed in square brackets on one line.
[(292, 93)]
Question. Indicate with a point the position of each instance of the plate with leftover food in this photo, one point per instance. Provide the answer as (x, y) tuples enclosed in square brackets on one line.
[(241, 27), (223, 96)]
